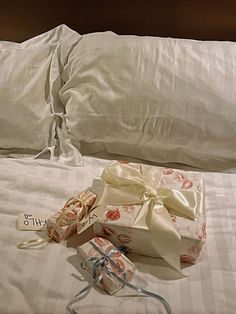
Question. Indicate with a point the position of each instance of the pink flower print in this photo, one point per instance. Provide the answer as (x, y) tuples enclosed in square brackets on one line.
[(187, 184), (124, 238), (69, 231), (179, 177), (129, 209), (123, 162), (101, 241), (129, 275), (92, 252), (196, 249), (55, 236), (168, 171), (68, 219), (202, 232), (113, 214), (187, 259), (114, 255), (72, 215), (107, 230), (119, 263)]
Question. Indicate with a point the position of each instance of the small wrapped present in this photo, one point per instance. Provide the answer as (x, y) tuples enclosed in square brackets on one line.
[(153, 211), (117, 263), (64, 222), (110, 269)]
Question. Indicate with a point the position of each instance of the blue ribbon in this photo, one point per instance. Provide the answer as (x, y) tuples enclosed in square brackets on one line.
[(101, 262)]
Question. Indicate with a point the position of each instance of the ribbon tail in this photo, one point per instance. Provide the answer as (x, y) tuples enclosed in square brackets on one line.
[(124, 283), (146, 292), (86, 288), (165, 239), (186, 204), (33, 243)]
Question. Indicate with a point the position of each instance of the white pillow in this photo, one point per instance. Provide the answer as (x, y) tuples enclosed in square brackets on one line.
[(159, 99), (32, 116)]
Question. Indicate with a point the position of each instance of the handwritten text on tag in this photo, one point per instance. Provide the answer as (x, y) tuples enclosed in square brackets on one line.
[(29, 222)]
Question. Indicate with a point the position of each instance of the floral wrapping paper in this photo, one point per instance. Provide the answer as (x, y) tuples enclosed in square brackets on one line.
[(108, 283), (117, 223), (63, 223)]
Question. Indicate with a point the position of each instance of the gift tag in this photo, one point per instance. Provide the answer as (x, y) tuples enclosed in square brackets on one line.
[(90, 219), (32, 222)]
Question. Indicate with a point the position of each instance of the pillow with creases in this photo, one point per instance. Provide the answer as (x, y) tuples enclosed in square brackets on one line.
[(32, 115), (157, 99)]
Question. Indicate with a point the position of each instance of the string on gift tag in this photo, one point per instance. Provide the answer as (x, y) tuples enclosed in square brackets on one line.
[(63, 218), (101, 262)]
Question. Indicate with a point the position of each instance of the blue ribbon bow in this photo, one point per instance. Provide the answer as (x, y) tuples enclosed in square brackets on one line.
[(101, 262)]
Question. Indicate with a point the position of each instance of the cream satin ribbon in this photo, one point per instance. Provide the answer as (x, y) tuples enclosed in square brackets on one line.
[(128, 185), (83, 212)]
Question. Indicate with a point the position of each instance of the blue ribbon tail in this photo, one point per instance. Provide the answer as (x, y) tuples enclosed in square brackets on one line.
[(146, 292)]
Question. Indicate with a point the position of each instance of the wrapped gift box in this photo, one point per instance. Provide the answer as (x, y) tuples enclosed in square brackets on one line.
[(95, 249), (63, 223), (117, 224), (153, 211)]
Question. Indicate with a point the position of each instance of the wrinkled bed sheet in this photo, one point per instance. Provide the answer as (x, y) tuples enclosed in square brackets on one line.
[(44, 280)]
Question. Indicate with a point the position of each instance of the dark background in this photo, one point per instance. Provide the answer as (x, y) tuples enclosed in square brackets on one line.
[(212, 20)]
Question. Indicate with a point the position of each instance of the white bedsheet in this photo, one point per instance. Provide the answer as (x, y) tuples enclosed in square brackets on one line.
[(41, 280)]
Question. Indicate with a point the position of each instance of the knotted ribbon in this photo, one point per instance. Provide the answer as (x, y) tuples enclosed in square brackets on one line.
[(101, 263), (71, 203), (126, 184)]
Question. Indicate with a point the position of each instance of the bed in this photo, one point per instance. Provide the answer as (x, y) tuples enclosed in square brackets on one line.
[(58, 83)]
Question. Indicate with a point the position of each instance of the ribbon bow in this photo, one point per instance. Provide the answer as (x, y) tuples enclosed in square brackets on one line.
[(101, 262), (69, 206), (127, 184)]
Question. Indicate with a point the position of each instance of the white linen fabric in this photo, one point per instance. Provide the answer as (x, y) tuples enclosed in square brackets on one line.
[(32, 116), (40, 281), (158, 99)]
